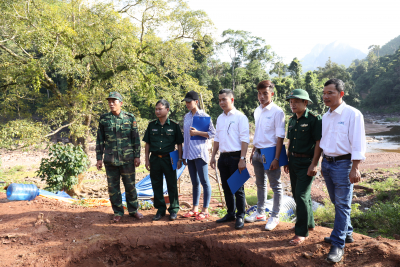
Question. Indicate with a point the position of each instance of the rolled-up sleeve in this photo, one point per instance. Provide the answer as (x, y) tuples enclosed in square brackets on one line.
[(280, 124), (244, 129), (357, 137)]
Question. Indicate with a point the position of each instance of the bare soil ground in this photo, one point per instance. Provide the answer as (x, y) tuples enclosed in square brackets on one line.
[(78, 236)]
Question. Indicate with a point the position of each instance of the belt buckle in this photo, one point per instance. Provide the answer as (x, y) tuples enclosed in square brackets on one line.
[(160, 156), (330, 159)]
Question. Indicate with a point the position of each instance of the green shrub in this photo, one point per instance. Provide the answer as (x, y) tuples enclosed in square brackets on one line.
[(61, 170), (325, 215), (384, 217)]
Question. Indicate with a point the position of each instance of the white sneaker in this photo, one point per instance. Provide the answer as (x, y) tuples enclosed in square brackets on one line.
[(255, 216), (272, 223)]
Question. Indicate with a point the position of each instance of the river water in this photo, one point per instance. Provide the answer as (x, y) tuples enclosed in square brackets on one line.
[(389, 141)]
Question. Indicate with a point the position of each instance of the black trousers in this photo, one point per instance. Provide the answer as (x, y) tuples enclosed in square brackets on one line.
[(227, 165)]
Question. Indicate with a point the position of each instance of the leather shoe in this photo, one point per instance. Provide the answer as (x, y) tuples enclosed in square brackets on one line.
[(158, 216), (172, 216), (226, 218), (335, 254), (349, 239), (239, 223)]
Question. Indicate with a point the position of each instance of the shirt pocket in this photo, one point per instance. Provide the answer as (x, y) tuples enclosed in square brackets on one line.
[(126, 129), (268, 123), (154, 135)]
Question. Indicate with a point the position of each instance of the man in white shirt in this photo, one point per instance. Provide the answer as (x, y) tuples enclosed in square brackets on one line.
[(343, 144), (232, 139), (270, 132)]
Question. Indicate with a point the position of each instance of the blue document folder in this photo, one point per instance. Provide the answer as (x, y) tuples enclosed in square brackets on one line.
[(174, 159), (237, 180), (268, 155), (201, 124)]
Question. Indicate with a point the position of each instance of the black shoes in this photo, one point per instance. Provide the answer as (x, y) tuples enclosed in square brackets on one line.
[(226, 218), (349, 239), (158, 216), (239, 223), (335, 254), (172, 216)]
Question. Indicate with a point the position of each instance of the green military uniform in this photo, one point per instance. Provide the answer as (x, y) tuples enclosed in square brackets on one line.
[(162, 140), (303, 133), (118, 139)]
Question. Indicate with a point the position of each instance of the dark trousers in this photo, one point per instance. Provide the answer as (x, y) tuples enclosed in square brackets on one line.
[(114, 175), (301, 190), (158, 168), (227, 165)]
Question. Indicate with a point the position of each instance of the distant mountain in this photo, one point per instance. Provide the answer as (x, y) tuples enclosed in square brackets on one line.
[(390, 47), (338, 52)]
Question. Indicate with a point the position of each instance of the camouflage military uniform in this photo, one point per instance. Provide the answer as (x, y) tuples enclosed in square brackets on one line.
[(162, 140), (118, 139)]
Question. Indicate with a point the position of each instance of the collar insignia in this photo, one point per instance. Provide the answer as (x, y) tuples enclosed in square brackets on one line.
[(170, 130)]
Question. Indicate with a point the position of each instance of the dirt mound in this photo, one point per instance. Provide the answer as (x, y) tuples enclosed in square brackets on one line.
[(79, 236)]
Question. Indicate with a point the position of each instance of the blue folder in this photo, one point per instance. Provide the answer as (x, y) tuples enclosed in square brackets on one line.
[(268, 155), (174, 158), (238, 179), (201, 124)]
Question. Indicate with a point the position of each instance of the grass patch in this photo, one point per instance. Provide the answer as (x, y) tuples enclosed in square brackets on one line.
[(392, 119), (94, 169), (251, 195)]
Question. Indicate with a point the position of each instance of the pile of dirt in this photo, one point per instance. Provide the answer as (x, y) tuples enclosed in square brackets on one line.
[(80, 236)]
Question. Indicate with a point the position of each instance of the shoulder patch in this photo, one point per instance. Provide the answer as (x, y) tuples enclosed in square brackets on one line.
[(312, 113), (130, 114), (152, 121), (174, 121)]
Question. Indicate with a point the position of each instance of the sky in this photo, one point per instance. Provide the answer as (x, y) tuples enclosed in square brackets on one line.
[(294, 27)]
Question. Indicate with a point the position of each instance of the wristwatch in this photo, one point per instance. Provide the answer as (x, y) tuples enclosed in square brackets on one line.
[(276, 159), (180, 160), (243, 158)]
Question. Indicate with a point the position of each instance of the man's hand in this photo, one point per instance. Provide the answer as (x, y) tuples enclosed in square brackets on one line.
[(354, 176), (184, 162), (241, 165), (179, 165), (312, 170), (137, 162), (212, 162), (274, 165), (99, 165), (286, 169), (147, 164), (193, 131)]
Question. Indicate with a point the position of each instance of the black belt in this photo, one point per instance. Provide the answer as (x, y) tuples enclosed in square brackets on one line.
[(160, 155), (347, 156), (235, 153), (297, 155)]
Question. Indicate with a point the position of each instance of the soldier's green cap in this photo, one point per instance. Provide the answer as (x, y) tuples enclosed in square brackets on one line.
[(115, 95), (299, 94)]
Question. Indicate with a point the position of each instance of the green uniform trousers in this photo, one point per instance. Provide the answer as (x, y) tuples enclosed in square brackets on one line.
[(158, 168), (114, 174), (301, 190)]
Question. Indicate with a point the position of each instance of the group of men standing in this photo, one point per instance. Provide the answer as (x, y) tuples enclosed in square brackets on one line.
[(339, 135)]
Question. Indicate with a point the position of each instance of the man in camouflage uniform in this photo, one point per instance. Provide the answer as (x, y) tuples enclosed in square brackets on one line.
[(304, 134), (161, 137), (118, 139)]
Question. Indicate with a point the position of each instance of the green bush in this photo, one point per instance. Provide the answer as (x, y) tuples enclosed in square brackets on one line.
[(61, 170), (384, 217), (325, 215)]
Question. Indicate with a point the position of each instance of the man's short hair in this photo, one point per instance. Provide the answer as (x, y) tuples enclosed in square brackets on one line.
[(163, 102), (266, 84), (228, 92), (339, 84)]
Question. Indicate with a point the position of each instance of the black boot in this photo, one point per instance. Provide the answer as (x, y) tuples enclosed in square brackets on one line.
[(335, 254)]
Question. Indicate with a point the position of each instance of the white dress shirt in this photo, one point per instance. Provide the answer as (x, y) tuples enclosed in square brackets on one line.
[(232, 130), (270, 124), (343, 132)]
